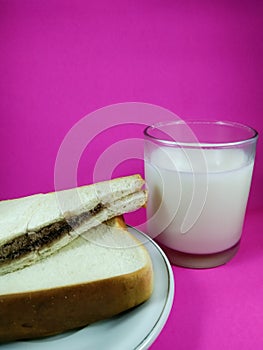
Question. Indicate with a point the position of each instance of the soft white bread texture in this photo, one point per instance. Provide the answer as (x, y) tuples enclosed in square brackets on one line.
[(78, 209), (96, 276)]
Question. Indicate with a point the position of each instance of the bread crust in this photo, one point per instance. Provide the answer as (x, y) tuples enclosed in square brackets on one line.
[(52, 311)]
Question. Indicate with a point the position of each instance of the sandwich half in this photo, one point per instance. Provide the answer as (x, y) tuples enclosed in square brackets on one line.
[(34, 227), (96, 276)]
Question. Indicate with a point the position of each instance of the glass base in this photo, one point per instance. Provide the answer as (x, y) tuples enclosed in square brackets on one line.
[(199, 261)]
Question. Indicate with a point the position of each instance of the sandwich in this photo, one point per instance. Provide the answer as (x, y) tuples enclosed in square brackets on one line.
[(97, 275), (34, 227)]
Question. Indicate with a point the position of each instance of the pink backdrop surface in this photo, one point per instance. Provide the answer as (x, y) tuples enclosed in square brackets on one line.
[(61, 60)]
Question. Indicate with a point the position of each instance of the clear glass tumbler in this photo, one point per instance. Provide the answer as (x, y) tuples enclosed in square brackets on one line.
[(198, 176)]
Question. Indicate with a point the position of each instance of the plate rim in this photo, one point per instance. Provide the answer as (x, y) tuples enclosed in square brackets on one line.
[(150, 337)]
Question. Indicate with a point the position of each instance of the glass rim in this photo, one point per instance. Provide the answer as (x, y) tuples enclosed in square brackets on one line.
[(202, 144)]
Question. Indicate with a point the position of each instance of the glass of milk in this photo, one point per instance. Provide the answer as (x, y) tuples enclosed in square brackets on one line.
[(198, 176)]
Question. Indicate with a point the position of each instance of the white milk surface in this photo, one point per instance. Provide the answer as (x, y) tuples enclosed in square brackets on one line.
[(197, 198)]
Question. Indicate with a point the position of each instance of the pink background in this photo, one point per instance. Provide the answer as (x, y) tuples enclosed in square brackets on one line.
[(61, 60)]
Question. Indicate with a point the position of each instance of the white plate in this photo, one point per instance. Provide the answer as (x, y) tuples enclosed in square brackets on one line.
[(134, 329)]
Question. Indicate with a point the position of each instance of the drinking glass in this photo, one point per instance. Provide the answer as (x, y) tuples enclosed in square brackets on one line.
[(198, 175)]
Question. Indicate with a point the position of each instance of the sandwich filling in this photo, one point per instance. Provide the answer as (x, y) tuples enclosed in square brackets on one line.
[(35, 240)]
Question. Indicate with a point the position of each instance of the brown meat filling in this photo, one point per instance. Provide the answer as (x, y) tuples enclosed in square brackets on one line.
[(32, 241)]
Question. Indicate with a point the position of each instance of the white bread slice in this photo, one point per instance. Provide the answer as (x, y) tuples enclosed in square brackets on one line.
[(95, 277), (29, 214), (36, 211)]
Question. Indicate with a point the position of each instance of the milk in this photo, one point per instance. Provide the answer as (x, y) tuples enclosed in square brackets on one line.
[(197, 198)]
